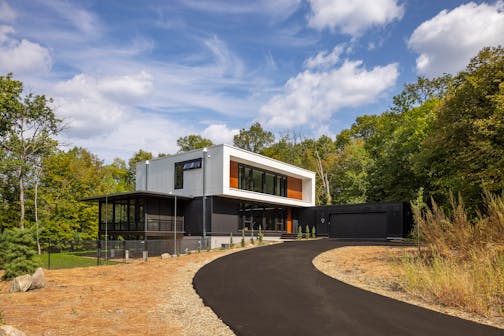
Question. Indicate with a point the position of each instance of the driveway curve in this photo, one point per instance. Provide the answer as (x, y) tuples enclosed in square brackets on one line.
[(276, 290)]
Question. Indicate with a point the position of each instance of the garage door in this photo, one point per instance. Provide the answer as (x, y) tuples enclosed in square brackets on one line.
[(358, 225)]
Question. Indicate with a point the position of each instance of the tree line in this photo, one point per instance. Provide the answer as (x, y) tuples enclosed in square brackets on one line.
[(439, 135)]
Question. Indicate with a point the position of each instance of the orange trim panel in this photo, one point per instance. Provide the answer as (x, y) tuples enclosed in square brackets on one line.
[(233, 174), (289, 221), (294, 188)]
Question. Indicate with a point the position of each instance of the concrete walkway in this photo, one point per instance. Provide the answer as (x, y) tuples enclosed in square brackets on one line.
[(276, 290)]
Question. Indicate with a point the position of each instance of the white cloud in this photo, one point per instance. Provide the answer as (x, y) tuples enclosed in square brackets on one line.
[(7, 14), (325, 59), (448, 41), (220, 134), (138, 131), (229, 63), (278, 8), (311, 98), (127, 88), (94, 106), (353, 17), (22, 57)]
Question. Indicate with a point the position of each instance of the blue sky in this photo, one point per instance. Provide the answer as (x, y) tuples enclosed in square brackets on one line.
[(127, 75)]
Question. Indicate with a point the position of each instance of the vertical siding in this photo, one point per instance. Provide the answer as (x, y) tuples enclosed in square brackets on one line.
[(294, 188), (233, 174)]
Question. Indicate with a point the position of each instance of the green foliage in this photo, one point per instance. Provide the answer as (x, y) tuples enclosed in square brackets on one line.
[(17, 252), (313, 232), (464, 149), (26, 136), (231, 240), (242, 243), (67, 178), (255, 139), (300, 233), (307, 232), (193, 141), (139, 156), (260, 235), (252, 237)]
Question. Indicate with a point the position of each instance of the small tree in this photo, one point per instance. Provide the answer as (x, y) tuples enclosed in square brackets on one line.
[(300, 233), (231, 240), (252, 237), (307, 232), (313, 233), (243, 238), (260, 235), (17, 249)]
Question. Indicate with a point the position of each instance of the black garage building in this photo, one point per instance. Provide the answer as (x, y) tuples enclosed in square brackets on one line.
[(366, 221)]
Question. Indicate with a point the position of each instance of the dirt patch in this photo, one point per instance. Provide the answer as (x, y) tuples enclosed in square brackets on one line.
[(376, 269), (152, 298)]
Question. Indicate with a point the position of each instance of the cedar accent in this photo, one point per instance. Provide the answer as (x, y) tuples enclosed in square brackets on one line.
[(233, 174), (289, 220), (294, 188)]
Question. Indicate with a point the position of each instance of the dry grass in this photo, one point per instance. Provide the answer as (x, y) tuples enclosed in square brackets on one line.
[(153, 298), (462, 264), (379, 269)]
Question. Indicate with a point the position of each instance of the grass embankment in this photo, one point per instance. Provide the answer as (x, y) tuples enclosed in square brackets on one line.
[(63, 260), (462, 262)]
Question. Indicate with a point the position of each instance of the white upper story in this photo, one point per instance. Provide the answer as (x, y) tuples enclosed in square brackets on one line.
[(229, 172)]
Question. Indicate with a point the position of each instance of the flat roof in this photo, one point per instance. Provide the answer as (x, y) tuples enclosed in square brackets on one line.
[(131, 195)]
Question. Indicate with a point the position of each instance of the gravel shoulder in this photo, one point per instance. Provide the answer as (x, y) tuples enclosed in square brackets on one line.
[(152, 298), (375, 269)]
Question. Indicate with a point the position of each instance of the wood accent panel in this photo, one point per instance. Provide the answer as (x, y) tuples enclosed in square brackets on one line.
[(233, 174), (294, 188), (289, 220)]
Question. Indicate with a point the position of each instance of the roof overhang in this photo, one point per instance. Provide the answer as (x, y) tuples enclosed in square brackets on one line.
[(132, 195)]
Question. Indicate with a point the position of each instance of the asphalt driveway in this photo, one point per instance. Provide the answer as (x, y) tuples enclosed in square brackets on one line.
[(276, 290)]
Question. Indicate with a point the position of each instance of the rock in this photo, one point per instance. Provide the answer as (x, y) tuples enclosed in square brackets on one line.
[(7, 330), (165, 255), (38, 279), (21, 283)]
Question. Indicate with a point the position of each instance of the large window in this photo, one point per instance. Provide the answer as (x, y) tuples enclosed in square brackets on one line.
[(253, 216), (180, 167), (259, 180)]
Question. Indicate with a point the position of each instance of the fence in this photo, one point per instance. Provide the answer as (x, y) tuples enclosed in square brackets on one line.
[(83, 253)]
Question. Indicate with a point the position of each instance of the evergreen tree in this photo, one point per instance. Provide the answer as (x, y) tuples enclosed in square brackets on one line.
[(17, 250)]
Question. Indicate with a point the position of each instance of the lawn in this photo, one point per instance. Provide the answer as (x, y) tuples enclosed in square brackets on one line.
[(65, 260)]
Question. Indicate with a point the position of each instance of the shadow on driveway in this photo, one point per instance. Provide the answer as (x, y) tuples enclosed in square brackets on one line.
[(276, 290)]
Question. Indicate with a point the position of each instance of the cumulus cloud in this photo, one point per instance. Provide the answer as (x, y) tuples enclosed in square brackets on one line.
[(313, 97), (324, 59), (353, 17), (94, 106), (448, 41), (220, 134), (22, 57)]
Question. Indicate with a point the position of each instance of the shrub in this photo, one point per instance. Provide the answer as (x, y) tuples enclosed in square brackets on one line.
[(313, 233), (260, 235), (300, 233), (243, 238), (231, 240), (17, 250), (307, 232)]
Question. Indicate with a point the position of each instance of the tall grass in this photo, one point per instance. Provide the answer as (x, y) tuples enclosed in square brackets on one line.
[(461, 263)]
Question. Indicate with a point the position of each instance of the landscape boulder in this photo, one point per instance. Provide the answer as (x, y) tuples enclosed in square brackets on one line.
[(38, 279), (7, 330), (21, 283)]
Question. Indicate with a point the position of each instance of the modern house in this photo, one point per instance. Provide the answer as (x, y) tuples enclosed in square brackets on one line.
[(202, 197)]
